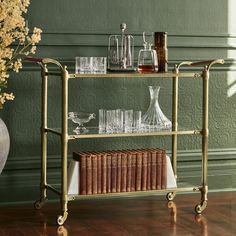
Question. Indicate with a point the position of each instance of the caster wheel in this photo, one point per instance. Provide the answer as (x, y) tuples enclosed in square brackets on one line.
[(38, 204), (198, 209), (60, 220), (170, 196)]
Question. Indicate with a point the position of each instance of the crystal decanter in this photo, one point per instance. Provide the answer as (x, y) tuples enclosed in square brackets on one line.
[(154, 119)]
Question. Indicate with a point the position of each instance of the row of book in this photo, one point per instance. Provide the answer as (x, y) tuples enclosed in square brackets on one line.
[(121, 171)]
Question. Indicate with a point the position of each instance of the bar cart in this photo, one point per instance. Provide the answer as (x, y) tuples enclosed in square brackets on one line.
[(65, 137)]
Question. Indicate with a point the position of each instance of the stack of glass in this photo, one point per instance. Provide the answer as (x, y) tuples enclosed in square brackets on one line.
[(119, 121)]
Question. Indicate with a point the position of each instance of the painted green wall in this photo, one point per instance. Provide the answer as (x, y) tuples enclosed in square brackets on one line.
[(197, 30)]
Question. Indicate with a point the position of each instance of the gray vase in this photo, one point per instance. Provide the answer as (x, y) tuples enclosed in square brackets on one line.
[(4, 144)]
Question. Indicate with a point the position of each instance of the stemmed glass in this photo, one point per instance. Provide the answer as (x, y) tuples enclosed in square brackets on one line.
[(147, 58), (80, 119)]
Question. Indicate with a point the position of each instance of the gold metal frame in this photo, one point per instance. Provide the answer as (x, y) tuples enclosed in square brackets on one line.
[(65, 137)]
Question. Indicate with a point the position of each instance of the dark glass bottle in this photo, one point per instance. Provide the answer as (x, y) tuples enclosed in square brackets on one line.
[(162, 51)]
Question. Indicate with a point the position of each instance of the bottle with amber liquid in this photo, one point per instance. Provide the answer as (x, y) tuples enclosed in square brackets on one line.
[(161, 50), (147, 58)]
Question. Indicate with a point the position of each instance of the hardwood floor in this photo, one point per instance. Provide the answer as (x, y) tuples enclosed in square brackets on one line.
[(139, 216)]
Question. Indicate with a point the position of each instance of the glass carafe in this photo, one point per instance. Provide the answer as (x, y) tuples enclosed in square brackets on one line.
[(154, 119)]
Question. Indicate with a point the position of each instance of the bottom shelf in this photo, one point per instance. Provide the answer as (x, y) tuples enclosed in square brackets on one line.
[(72, 197)]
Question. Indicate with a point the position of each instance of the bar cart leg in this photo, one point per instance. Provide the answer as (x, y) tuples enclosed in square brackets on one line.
[(43, 182), (171, 195), (64, 149), (205, 132)]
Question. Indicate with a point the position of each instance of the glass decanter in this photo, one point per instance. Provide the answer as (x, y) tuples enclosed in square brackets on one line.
[(154, 119), (147, 57)]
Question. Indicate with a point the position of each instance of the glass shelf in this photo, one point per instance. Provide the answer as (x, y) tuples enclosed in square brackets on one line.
[(93, 132), (135, 74)]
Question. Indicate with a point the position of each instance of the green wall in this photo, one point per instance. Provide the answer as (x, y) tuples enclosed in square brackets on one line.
[(197, 30)]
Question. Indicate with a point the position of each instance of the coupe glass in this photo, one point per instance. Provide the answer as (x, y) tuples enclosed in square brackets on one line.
[(80, 119)]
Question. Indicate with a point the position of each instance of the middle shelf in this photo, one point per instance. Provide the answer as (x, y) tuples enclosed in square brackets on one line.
[(93, 132)]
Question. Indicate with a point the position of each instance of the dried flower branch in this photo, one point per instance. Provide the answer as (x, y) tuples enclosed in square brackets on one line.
[(15, 41)]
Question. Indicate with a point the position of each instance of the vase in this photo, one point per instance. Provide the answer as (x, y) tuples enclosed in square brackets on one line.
[(4, 144), (154, 119)]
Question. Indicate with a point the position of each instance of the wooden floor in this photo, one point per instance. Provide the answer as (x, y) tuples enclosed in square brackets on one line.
[(139, 216)]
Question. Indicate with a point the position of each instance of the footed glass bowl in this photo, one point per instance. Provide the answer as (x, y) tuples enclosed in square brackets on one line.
[(80, 118)]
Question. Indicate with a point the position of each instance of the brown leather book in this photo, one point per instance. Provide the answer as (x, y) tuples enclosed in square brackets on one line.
[(94, 173), (129, 164), (81, 157), (108, 172), (164, 171), (99, 172), (104, 172), (149, 161), (113, 171), (89, 174), (123, 171), (138, 170), (133, 171), (144, 170), (159, 168), (118, 177), (153, 169)]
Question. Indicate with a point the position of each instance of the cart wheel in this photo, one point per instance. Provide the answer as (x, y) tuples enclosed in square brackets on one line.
[(38, 204), (170, 196), (198, 209), (61, 219)]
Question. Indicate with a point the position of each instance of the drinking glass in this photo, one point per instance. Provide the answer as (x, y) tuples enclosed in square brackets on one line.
[(128, 121)]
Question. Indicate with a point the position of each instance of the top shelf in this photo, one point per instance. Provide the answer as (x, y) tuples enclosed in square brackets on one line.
[(134, 74)]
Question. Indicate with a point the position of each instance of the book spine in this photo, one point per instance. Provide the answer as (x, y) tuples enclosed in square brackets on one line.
[(94, 174), (153, 169), (113, 171), (89, 174), (99, 173), (118, 179), (108, 172), (149, 158), (133, 171), (104, 173), (129, 166), (159, 168), (123, 171), (138, 171), (164, 171), (144, 171)]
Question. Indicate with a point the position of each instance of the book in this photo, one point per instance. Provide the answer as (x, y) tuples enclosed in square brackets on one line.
[(153, 169), (108, 157), (99, 172), (123, 171), (138, 170), (144, 170), (159, 168), (133, 171), (149, 160), (164, 170), (129, 164), (89, 174), (104, 172), (118, 177), (113, 171), (94, 173)]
